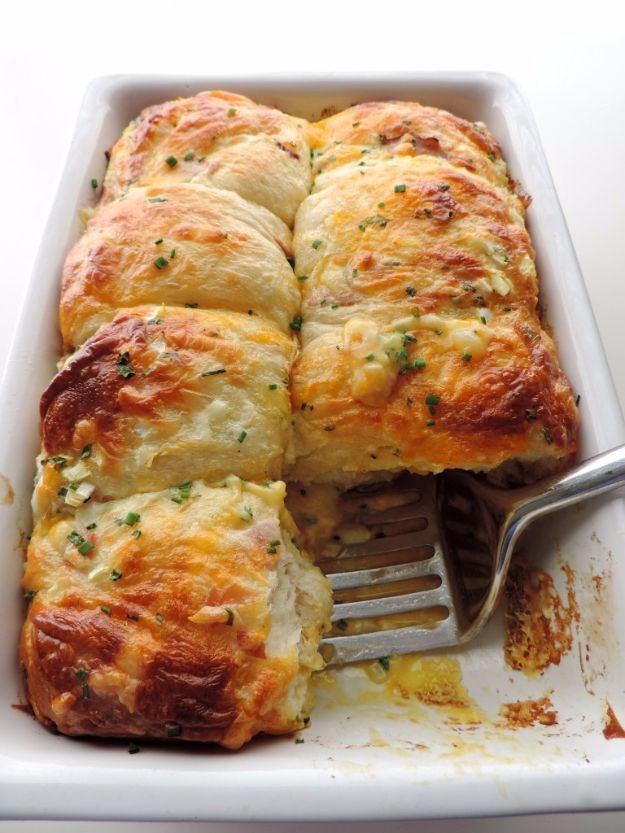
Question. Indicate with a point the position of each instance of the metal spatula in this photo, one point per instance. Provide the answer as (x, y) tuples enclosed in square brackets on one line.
[(433, 570)]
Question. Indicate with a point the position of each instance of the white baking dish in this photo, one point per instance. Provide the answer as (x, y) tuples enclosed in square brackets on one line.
[(369, 761)]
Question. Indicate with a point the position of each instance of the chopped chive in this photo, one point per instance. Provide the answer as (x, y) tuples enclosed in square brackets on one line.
[(105, 609), (133, 749), (411, 291), (161, 262), (316, 243), (82, 675), (182, 492), (82, 545), (483, 319), (275, 543), (370, 357), (29, 594), (86, 692), (214, 372), (432, 400), (355, 123), (115, 575), (172, 254), (429, 422), (577, 399), (329, 427), (530, 414), (380, 205), (272, 386), (299, 740), (242, 436), (385, 662), (136, 533), (91, 526), (466, 357), (296, 323), (548, 436), (57, 461), (399, 189), (232, 112), (271, 550), (191, 306), (171, 161), (94, 184), (157, 199), (158, 242), (188, 156), (132, 518), (302, 277), (85, 453)]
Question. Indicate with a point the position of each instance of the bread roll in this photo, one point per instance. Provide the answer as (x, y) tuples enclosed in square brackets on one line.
[(185, 614), (164, 395), (220, 139), (180, 245)]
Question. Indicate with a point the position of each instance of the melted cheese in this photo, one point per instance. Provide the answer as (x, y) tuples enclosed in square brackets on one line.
[(374, 366)]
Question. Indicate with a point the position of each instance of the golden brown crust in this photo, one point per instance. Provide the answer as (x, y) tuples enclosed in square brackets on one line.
[(511, 403), (220, 139), (446, 240), (178, 245), (171, 633), (164, 395), (386, 129)]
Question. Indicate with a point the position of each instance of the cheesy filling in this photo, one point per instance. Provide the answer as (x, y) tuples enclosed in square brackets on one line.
[(376, 354)]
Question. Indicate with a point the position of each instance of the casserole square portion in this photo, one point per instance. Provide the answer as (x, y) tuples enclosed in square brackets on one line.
[(188, 613)]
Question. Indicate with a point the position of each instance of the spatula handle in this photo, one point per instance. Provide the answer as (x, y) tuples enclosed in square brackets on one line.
[(593, 477)]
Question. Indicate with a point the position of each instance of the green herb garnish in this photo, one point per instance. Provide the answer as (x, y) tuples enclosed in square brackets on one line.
[(182, 492), (432, 400), (171, 161)]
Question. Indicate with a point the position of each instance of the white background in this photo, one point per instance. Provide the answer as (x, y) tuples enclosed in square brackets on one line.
[(568, 58)]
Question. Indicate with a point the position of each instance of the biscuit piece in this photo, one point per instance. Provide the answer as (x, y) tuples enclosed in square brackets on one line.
[(166, 615), (410, 235), (429, 395), (220, 139), (165, 395), (381, 130), (181, 245)]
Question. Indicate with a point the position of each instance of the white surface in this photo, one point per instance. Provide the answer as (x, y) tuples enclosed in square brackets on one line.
[(573, 76)]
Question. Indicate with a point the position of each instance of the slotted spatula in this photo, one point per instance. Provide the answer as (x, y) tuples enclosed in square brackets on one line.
[(433, 570)]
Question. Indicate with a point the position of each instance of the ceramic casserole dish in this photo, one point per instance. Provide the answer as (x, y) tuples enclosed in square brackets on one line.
[(506, 738)]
